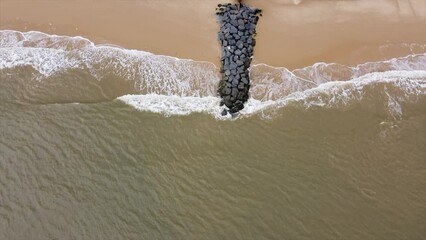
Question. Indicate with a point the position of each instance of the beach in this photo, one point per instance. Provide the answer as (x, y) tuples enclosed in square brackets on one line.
[(111, 123), (290, 35)]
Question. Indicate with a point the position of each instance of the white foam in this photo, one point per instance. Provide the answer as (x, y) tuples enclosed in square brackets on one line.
[(338, 94), (272, 83), (45, 61), (173, 86), (51, 54), (172, 105), (342, 93), (176, 105)]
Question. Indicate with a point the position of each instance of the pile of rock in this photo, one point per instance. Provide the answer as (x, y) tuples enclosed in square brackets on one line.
[(236, 35)]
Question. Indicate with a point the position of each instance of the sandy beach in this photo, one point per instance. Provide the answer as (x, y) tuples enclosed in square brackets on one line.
[(293, 34), (101, 140)]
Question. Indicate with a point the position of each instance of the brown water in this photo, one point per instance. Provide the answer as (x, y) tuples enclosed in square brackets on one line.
[(102, 142)]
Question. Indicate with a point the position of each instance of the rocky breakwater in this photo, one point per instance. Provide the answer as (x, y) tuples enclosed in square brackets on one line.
[(237, 37)]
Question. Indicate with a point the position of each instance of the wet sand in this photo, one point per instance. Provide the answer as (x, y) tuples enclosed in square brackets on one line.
[(289, 34)]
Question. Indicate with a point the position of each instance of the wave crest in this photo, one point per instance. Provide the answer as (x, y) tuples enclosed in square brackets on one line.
[(172, 86)]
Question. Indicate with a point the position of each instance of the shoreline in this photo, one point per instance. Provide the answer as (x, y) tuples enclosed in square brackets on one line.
[(352, 33)]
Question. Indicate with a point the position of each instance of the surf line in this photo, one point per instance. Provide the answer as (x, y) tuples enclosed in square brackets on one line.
[(237, 38)]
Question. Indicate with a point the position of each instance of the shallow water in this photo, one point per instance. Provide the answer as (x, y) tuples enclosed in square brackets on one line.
[(99, 142)]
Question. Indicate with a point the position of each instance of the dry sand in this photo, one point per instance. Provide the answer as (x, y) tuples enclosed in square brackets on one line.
[(291, 33)]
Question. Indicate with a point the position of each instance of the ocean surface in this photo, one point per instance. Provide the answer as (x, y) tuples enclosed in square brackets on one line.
[(102, 142)]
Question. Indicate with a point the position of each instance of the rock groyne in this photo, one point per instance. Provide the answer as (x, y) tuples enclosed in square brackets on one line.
[(237, 37)]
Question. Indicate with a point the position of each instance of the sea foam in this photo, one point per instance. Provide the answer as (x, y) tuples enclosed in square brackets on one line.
[(172, 86), (393, 87)]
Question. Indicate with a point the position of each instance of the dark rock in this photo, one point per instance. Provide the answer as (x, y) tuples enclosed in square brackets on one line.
[(241, 86), (233, 30), (256, 20), (241, 69), (233, 110), (240, 95), (239, 105), (221, 36), (234, 92), (237, 32), (227, 91), (224, 112), (227, 101), (252, 26)]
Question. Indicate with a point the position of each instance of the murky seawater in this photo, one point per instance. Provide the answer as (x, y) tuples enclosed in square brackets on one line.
[(98, 142)]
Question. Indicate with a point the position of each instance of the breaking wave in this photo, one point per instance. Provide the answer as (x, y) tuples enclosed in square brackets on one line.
[(173, 86), (393, 88)]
